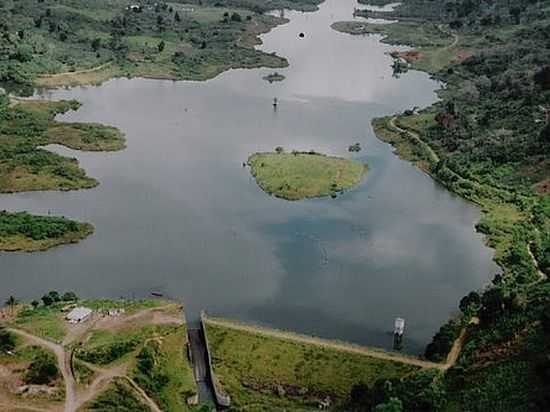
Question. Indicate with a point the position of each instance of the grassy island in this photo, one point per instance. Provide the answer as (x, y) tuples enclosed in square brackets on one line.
[(298, 175), (27, 233), (26, 126)]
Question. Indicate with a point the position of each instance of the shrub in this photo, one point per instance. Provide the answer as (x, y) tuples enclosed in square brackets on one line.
[(42, 370), (7, 341)]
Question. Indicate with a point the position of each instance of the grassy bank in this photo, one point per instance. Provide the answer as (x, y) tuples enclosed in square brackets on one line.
[(296, 176), (264, 371)]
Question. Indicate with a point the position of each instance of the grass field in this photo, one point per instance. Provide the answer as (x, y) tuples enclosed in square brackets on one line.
[(267, 373), (45, 321), (296, 176)]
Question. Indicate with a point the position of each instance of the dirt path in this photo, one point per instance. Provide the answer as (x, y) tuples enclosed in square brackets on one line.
[(64, 367), (350, 348), (11, 407), (456, 38), (433, 155), (105, 376), (150, 402), (84, 71), (542, 275)]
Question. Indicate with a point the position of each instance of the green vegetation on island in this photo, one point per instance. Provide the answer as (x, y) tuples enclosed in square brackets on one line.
[(274, 77), (301, 175), (24, 232), (26, 126)]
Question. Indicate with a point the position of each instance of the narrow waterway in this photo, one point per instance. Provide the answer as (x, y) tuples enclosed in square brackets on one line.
[(177, 213)]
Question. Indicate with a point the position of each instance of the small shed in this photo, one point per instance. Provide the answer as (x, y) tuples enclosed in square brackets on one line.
[(399, 326), (78, 315)]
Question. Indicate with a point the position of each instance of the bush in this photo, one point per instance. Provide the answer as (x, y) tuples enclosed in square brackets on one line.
[(42, 370), (105, 354), (7, 341)]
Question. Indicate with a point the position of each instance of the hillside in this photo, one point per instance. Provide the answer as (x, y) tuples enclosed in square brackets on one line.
[(488, 140)]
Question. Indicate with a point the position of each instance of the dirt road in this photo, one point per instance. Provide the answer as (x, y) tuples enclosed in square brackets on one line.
[(63, 362), (344, 347)]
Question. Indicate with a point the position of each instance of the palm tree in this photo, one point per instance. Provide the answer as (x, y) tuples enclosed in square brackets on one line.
[(11, 302)]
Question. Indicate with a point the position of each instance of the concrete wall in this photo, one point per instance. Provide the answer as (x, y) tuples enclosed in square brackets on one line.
[(222, 399)]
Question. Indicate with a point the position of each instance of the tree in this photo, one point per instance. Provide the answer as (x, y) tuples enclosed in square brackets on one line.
[(546, 319), (469, 300), (160, 23), (47, 300), (544, 136), (24, 53), (542, 78), (393, 405), (7, 341), (515, 12), (279, 150), (96, 44), (54, 294), (35, 304), (69, 297), (161, 46), (42, 370), (11, 302), (236, 17), (492, 305), (177, 17)]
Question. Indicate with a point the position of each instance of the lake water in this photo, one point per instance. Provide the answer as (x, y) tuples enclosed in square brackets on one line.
[(177, 213)]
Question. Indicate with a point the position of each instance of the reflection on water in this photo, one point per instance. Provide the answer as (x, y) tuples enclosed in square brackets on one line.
[(176, 212)]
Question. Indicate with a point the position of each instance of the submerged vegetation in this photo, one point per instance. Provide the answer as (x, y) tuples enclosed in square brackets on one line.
[(301, 175)]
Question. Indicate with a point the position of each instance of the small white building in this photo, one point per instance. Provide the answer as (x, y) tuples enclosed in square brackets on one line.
[(399, 326), (78, 315)]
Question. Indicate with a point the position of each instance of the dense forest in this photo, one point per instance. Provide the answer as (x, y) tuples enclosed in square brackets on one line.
[(487, 139)]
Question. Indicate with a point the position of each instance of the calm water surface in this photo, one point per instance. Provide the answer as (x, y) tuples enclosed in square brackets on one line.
[(176, 212)]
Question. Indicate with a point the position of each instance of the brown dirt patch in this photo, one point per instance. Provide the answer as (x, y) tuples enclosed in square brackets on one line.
[(410, 56), (543, 187)]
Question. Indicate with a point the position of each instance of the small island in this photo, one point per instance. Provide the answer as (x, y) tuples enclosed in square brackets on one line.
[(302, 175), (274, 77), (24, 232)]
